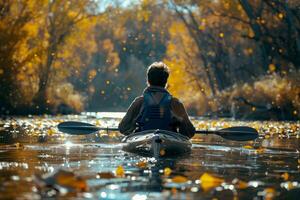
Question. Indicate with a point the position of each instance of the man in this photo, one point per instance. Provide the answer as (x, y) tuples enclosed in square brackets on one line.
[(156, 108)]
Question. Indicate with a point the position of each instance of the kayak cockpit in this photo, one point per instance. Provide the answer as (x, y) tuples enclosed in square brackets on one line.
[(157, 143)]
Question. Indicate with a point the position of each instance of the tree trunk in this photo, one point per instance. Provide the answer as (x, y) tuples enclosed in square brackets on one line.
[(257, 32)]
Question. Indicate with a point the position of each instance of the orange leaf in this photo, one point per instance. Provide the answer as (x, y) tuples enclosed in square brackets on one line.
[(285, 176), (179, 179), (209, 181), (106, 175), (142, 164)]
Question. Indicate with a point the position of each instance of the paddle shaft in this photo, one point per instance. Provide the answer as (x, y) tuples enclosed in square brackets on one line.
[(95, 128), (242, 133)]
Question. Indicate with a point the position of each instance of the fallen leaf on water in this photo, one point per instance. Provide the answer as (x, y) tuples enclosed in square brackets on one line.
[(285, 176), (142, 164), (247, 147), (106, 175), (268, 193), (167, 171), (174, 190), (179, 179), (209, 181), (239, 183), (162, 152), (289, 185), (62, 178), (260, 150), (51, 131), (120, 171)]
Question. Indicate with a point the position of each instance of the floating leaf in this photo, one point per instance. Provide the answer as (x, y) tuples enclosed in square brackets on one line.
[(240, 184), (106, 175), (289, 185), (268, 193), (62, 178), (120, 171), (162, 152), (179, 179), (167, 171), (285, 176), (209, 181), (272, 67), (260, 150), (142, 164)]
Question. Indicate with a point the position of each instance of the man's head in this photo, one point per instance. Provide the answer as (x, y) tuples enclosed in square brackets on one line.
[(158, 74)]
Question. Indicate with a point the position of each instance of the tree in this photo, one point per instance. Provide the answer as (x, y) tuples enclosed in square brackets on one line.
[(61, 19), (13, 18)]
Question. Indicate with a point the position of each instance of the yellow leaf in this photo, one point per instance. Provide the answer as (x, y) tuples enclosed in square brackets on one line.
[(247, 147), (260, 150), (209, 181), (167, 171), (120, 171), (179, 179), (272, 67)]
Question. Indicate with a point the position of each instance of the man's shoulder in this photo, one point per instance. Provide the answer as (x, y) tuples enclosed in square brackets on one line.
[(138, 100), (175, 100)]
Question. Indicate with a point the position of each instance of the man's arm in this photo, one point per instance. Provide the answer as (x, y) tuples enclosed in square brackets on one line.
[(186, 127), (127, 124)]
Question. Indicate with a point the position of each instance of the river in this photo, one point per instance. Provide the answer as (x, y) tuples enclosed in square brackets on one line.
[(37, 161)]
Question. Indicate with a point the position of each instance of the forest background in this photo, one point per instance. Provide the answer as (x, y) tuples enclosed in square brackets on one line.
[(228, 58)]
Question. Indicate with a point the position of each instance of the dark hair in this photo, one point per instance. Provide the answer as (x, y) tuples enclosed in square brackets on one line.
[(158, 74)]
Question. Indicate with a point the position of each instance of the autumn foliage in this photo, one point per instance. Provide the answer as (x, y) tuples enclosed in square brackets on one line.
[(234, 58)]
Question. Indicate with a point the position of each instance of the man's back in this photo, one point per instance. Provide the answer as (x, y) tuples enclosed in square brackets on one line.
[(179, 115)]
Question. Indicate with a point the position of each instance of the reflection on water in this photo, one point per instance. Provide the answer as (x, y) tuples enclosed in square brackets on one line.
[(31, 147)]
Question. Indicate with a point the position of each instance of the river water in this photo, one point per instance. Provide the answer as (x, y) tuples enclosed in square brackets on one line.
[(37, 161)]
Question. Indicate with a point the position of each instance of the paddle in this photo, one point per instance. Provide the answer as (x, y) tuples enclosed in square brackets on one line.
[(81, 128), (238, 133)]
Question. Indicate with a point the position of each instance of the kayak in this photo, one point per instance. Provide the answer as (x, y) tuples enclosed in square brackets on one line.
[(157, 143)]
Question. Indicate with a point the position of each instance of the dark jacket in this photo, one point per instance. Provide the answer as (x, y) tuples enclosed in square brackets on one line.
[(178, 112)]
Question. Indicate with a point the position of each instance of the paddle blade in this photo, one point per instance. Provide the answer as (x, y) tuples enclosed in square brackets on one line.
[(239, 133), (77, 128)]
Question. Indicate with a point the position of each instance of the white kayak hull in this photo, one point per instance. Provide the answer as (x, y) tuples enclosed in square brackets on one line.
[(157, 143)]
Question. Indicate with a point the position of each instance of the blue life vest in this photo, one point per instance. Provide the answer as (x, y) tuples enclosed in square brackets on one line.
[(155, 115)]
